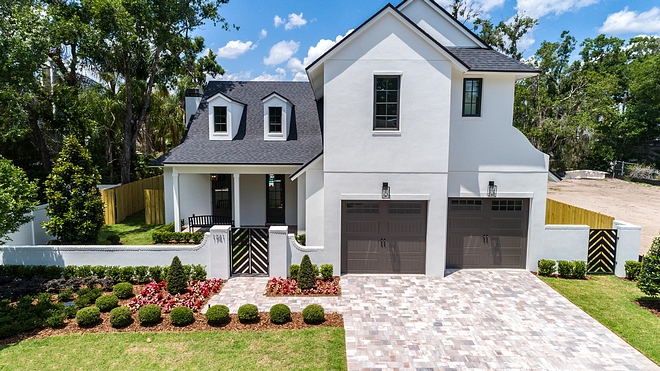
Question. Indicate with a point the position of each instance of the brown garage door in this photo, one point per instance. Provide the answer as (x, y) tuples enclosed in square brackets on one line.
[(383, 237), (487, 233)]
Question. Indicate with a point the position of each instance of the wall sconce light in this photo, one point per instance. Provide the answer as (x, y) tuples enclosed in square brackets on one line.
[(271, 180), (214, 177), (492, 189), (386, 191)]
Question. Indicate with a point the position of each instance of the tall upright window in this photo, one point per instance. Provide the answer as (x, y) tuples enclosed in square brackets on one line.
[(472, 97), (386, 103), (220, 119), (275, 119)]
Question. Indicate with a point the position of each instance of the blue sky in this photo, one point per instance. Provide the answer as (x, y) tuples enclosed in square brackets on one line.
[(278, 38)]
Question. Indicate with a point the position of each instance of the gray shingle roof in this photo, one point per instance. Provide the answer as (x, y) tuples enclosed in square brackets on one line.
[(248, 147), (480, 59)]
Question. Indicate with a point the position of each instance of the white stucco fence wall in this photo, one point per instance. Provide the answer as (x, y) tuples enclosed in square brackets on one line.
[(32, 233), (628, 244)]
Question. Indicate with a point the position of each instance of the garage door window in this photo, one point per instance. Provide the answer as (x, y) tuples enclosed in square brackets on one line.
[(506, 205), (405, 208), (465, 205), (362, 207)]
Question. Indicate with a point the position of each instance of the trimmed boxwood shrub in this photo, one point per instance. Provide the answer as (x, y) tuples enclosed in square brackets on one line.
[(632, 269), (248, 313), (564, 268), (149, 314), (327, 271), (121, 317), (123, 290), (107, 302), (217, 315), (64, 296), (89, 316), (87, 297), (177, 280), (306, 276), (579, 269), (280, 313), (156, 273), (181, 316), (56, 320), (313, 314), (546, 267), (294, 269)]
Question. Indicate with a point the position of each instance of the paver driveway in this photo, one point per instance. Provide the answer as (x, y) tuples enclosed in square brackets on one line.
[(471, 319)]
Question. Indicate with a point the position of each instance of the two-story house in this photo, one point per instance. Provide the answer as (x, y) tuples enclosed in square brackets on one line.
[(398, 155)]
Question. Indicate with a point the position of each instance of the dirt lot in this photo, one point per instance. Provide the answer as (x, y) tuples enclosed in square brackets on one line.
[(630, 202)]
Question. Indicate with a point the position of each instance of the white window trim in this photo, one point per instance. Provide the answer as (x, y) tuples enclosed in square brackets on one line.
[(233, 123), (276, 100), (382, 132)]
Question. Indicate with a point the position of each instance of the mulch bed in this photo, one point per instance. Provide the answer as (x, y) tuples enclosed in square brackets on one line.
[(200, 324), (652, 306)]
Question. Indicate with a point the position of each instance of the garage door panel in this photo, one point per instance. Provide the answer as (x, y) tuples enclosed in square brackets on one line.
[(363, 265), (361, 227), (505, 260), (507, 224), (457, 223), (461, 259), (406, 266), (403, 227)]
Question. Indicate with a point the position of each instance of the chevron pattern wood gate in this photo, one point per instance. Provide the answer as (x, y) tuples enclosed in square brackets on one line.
[(602, 251), (249, 251)]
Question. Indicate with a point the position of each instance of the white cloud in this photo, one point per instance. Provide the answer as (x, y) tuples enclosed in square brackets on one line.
[(281, 52), (628, 21), (540, 8), (263, 33), (294, 64), (281, 75), (526, 41), (300, 76), (321, 47), (235, 49), (238, 76), (277, 21), (295, 20), (481, 6)]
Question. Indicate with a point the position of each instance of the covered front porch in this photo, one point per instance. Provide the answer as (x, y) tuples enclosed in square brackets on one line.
[(237, 195)]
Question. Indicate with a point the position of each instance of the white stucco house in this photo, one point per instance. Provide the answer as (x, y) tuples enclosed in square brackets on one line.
[(383, 159)]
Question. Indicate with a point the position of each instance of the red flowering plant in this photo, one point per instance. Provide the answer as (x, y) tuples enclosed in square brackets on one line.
[(288, 287), (194, 298)]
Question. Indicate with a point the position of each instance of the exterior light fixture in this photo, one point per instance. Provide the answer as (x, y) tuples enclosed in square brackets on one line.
[(386, 191), (214, 177), (492, 189), (271, 180)]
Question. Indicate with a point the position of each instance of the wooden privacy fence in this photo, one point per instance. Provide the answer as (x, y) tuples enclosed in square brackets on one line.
[(560, 213), (127, 199), (154, 206)]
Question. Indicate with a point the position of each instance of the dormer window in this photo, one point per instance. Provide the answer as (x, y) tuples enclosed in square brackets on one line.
[(275, 119), (220, 119)]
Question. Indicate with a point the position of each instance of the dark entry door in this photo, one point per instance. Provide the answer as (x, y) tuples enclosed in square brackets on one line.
[(275, 199), (221, 185), (487, 233), (383, 237)]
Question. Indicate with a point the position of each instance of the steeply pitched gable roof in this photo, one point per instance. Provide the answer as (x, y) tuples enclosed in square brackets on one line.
[(249, 147)]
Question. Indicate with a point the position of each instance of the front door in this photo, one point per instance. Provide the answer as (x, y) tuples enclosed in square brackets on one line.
[(221, 185), (275, 199)]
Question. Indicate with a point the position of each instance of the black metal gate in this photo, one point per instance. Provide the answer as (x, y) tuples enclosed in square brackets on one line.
[(602, 251), (249, 251)]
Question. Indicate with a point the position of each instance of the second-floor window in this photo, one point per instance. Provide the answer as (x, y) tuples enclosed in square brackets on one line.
[(275, 119), (220, 119), (472, 97), (386, 103)]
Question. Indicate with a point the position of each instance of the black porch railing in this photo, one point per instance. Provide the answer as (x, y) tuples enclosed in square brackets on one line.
[(208, 221)]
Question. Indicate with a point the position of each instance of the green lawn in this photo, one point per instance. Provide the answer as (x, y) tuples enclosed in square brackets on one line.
[(608, 299), (132, 230), (320, 348)]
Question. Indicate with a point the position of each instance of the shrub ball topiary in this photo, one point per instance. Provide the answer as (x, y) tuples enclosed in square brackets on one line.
[(564, 268), (89, 316), (217, 315), (181, 316), (546, 267), (649, 275), (248, 313), (107, 302), (280, 313), (313, 314), (123, 290), (177, 281), (121, 317), (632, 269), (579, 269), (149, 314), (327, 271), (306, 276)]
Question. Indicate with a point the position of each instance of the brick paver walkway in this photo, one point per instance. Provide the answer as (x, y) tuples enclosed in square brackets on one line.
[(469, 320)]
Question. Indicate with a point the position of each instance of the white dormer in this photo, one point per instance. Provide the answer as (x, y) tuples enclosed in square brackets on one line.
[(224, 117), (277, 117)]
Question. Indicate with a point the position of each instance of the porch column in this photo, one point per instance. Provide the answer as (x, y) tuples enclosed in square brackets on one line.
[(175, 200), (237, 200)]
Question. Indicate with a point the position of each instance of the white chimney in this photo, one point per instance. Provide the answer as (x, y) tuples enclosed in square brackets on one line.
[(193, 98)]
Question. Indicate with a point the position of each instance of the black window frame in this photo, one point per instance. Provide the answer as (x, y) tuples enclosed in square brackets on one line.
[(474, 106), (217, 123), (387, 103), (272, 125)]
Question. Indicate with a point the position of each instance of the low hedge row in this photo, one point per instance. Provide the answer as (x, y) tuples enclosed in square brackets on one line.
[(566, 269), (177, 237), (249, 313)]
